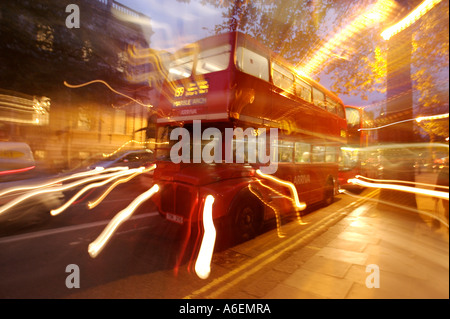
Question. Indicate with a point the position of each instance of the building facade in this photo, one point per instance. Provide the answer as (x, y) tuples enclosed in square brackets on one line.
[(68, 86)]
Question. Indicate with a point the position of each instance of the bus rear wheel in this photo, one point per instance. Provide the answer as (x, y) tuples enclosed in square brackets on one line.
[(329, 193)]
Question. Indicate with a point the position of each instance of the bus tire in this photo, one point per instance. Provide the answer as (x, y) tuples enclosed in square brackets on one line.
[(329, 192), (247, 214)]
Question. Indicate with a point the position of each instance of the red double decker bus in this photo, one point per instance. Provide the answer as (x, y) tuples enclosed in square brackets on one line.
[(232, 115), (359, 157)]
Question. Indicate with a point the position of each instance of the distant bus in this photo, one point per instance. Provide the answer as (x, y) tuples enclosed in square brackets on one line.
[(358, 157), (231, 83)]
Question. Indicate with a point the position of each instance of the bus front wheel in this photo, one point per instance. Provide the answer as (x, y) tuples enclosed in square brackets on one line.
[(247, 218)]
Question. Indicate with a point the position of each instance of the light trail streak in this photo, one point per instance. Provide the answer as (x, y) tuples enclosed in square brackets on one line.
[(60, 180), (19, 170), (98, 244), (72, 86), (376, 14), (122, 146), (94, 203), (408, 189), (405, 182), (203, 263), (52, 189), (403, 207), (297, 212), (275, 210), (299, 205), (59, 210), (412, 17), (417, 119)]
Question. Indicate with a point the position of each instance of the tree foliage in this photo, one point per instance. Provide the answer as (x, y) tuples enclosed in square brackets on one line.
[(296, 29)]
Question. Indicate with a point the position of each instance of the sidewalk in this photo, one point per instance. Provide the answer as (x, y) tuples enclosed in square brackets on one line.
[(402, 251)]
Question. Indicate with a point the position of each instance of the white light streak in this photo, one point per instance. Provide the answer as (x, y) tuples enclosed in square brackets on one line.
[(203, 263), (59, 180), (417, 119), (408, 189), (98, 244), (27, 195), (94, 203), (59, 210), (404, 182)]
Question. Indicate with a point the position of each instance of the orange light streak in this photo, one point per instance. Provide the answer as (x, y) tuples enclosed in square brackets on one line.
[(376, 14), (275, 210), (203, 263), (412, 17), (73, 86), (98, 244), (298, 205)]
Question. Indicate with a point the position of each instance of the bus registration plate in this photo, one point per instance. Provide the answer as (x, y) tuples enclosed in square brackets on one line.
[(174, 218)]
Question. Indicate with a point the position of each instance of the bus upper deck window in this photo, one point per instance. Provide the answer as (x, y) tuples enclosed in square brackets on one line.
[(213, 60), (282, 77), (303, 90), (252, 63), (353, 117), (340, 110), (331, 105), (181, 67), (318, 98)]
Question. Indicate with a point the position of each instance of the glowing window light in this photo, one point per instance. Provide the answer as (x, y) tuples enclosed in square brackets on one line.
[(299, 205), (409, 189), (412, 17), (203, 263), (98, 244), (94, 203)]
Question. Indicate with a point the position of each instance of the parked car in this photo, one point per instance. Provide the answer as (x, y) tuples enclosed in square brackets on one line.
[(132, 159), (16, 161)]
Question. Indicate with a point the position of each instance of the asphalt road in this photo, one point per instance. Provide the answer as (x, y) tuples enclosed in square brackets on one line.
[(146, 258)]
